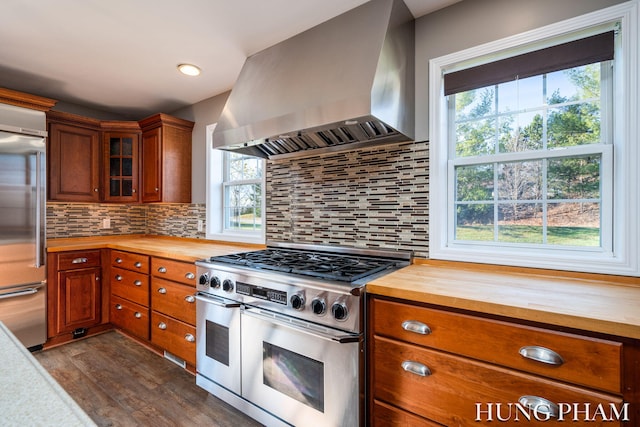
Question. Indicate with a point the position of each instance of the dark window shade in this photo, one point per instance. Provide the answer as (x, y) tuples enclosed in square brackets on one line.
[(567, 55)]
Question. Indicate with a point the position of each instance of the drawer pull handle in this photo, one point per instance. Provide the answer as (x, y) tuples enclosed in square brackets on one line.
[(541, 354), (189, 338), (137, 283), (138, 315), (118, 260), (137, 264), (540, 405), (416, 327), (162, 291), (162, 270), (118, 277), (118, 307), (190, 276), (190, 299), (162, 325), (79, 261), (416, 368)]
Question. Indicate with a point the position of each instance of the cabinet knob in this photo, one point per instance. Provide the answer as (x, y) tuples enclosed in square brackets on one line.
[(541, 354), (133, 190), (190, 276), (118, 260), (416, 327), (162, 270), (162, 325), (190, 299), (157, 189), (189, 338), (118, 277), (118, 307), (137, 264), (416, 368), (540, 405), (138, 315), (95, 190), (162, 291), (137, 283)]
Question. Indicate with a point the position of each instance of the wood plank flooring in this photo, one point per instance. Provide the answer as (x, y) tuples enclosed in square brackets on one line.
[(118, 382)]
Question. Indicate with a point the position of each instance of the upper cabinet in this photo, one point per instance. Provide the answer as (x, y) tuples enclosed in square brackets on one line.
[(119, 161), (166, 159)]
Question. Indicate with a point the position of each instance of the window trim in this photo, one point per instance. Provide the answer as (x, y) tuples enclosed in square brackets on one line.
[(624, 258), (215, 198)]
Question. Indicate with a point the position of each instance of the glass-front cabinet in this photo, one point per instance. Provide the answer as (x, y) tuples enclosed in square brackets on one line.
[(121, 158)]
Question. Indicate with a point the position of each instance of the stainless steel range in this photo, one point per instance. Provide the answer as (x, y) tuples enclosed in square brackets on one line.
[(280, 331)]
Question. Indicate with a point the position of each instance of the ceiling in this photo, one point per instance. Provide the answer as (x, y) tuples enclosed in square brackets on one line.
[(120, 56)]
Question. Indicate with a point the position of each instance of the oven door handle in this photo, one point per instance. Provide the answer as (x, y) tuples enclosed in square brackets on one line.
[(299, 325), (221, 302)]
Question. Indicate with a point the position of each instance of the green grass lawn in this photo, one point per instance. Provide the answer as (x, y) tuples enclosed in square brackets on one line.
[(569, 236)]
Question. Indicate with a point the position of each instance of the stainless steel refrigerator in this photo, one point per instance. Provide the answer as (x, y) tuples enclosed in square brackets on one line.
[(22, 223)]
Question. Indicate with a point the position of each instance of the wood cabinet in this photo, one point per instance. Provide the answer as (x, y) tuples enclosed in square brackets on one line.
[(121, 159), (173, 316), (73, 157), (429, 365), (76, 295), (166, 159), (129, 278)]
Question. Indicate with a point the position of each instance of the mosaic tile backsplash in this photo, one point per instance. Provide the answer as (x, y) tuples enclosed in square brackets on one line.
[(375, 198)]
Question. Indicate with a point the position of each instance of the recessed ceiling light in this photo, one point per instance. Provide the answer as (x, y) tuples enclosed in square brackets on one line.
[(189, 69)]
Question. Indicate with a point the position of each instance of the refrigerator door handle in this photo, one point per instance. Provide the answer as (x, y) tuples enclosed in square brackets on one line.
[(28, 291), (39, 213)]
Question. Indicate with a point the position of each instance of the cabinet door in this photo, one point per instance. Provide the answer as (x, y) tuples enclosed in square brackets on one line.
[(121, 157), (79, 299), (151, 165), (74, 168)]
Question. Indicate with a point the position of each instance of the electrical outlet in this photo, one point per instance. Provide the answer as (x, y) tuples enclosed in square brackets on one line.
[(106, 222), (200, 225)]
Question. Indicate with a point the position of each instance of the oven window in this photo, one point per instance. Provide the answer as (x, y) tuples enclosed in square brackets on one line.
[(217, 342), (297, 376)]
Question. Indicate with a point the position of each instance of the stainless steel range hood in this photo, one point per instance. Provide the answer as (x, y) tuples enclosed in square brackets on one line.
[(345, 84)]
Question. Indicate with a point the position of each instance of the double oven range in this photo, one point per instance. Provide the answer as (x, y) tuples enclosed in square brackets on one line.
[(280, 331)]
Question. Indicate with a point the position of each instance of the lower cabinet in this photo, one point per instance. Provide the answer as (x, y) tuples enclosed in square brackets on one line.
[(130, 317), (430, 366)]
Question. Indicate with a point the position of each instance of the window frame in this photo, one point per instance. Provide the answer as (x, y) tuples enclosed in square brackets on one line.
[(215, 170), (623, 256)]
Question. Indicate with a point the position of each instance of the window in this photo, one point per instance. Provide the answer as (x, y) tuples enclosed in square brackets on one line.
[(526, 149), (235, 195)]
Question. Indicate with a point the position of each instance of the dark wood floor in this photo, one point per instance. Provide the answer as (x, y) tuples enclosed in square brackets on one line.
[(118, 382)]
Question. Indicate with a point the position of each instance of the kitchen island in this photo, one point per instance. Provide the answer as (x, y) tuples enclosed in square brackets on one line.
[(30, 396)]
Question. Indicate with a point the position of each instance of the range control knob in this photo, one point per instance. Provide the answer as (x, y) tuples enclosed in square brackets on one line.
[(215, 282), (297, 301), (204, 279), (227, 285), (339, 310), (319, 306)]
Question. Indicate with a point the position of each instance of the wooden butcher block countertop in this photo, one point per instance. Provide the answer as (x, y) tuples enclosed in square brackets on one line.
[(177, 248), (597, 303)]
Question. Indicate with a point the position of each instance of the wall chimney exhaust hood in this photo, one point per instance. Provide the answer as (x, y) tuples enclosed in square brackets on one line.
[(345, 84)]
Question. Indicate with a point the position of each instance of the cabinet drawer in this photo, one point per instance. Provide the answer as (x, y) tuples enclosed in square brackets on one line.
[(173, 299), (176, 337), (584, 361), (130, 285), (78, 259), (384, 415), (178, 271), (130, 261), (451, 392), (130, 317)]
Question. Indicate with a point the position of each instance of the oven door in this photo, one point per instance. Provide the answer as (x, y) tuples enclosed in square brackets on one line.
[(302, 373), (218, 341)]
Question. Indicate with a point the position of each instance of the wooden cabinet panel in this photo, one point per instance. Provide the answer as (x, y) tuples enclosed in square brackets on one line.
[(121, 159), (177, 271), (78, 259), (79, 299), (151, 170), (453, 386), (174, 299), (130, 316), (585, 361), (130, 285), (73, 161), (176, 337), (130, 261), (384, 415)]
